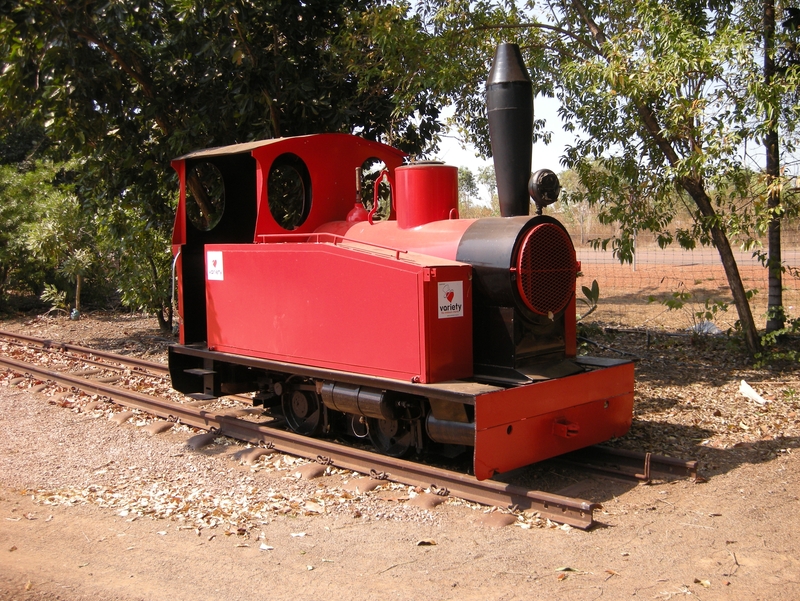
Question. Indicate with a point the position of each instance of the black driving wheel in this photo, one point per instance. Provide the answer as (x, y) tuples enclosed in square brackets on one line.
[(391, 437), (303, 411)]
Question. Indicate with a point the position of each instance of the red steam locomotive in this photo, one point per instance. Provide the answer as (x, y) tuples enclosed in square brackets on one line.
[(417, 330)]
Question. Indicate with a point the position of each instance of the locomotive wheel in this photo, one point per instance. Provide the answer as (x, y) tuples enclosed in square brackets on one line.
[(303, 411), (390, 436)]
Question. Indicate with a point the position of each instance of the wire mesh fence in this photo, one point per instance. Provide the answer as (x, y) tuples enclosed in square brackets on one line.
[(633, 295)]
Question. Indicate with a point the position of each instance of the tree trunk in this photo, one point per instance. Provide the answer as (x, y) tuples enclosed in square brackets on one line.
[(695, 189), (4, 271), (775, 315), (79, 282), (164, 316)]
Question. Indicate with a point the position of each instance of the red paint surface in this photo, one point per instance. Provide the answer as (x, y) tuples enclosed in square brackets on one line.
[(342, 308), (514, 427), (571, 329), (425, 193), (365, 310), (437, 239), (179, 229), (331, 160)]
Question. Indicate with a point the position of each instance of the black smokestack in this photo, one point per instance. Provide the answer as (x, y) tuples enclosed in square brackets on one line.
[(509, 99)]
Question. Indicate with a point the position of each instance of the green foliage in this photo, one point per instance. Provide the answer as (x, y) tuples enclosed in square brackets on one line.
[(62, 236), (144, 270), (572, 206), (662, 95), (21, 142), (57, 299), (462, 42), (591, 296), (711, 310), (60, 246), (467, 190), (486, 178), (138, 83), (708, 312), (23, 194), (781, 346), (677, 300), (128, 86), (385, 51), (468, 193), (14, 211)]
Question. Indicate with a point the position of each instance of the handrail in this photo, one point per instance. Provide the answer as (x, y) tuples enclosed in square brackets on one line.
[(174, 265)]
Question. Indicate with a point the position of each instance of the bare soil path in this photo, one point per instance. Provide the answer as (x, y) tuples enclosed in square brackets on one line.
[(80, 499)]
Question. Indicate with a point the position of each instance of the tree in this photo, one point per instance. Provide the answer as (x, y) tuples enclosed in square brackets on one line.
[(135, 251), (576, 208), (665, 95), (21, 143), (487, 179), (61, 236), (775, 319), (467, 188), (16, 190), (468, 193), (127, 86), (779, 106)]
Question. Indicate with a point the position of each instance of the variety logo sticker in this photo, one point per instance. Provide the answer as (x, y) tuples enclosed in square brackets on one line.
[(451, 299), (214, 265)]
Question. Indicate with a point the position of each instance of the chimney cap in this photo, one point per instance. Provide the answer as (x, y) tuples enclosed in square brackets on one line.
[(508, 66)]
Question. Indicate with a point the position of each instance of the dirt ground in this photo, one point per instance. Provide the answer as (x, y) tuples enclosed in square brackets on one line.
[(73, 485)]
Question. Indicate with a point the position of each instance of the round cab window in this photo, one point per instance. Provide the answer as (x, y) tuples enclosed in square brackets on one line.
[(289, 191), (205, 196)]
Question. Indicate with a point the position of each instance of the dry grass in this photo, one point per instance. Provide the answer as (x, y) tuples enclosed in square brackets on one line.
[(634, 297)]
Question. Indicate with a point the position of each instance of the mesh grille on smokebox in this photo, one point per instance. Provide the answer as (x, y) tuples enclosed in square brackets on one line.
[(546, 269)]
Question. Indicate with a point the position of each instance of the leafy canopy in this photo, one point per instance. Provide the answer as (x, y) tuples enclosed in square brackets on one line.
[(663, 95), (127, 86)]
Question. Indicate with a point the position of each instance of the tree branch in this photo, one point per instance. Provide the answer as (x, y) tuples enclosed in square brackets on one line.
[(594, 29), (135, 74), (243, 39), (559, 30)]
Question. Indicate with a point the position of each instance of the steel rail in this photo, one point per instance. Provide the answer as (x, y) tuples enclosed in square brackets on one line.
[(119, 364), (575, 512), (159, 368), (630, 465)]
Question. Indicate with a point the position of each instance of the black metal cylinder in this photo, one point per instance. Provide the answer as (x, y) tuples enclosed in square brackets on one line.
[(358, 400), (509, 100), (448, 432), (492, 247)]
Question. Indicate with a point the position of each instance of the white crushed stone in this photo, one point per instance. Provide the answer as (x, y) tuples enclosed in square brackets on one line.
[(63, 456)]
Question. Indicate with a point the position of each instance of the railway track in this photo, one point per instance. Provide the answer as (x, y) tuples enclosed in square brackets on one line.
[(124, 360), (576, 512)]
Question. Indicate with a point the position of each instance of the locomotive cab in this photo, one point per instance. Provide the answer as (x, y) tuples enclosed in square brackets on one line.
[(234, 194)]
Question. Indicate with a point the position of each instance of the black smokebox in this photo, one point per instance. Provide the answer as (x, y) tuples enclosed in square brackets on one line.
[(509, 100)]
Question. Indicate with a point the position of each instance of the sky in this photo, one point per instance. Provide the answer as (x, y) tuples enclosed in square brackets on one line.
[(454, 152)]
